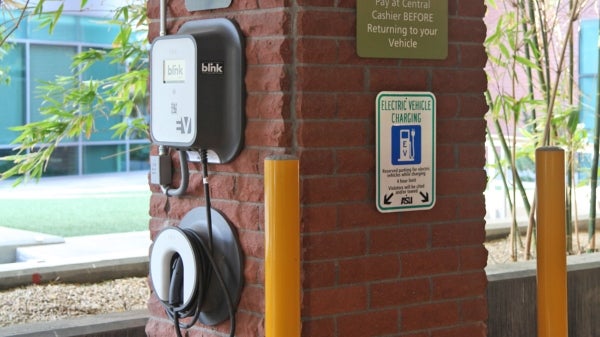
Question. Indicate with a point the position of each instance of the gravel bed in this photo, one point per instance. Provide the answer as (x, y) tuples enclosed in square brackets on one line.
[(499, 250), (62, 300)]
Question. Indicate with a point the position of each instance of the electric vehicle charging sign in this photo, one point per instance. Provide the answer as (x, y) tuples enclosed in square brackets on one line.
[(405, 156)]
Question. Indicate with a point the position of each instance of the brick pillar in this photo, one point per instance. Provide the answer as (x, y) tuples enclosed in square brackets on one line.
[(308, 93)]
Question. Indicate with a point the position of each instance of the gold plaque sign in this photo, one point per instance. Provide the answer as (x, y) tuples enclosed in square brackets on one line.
[(410, 29)]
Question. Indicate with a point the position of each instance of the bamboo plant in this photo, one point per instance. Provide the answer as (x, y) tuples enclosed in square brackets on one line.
[(532, 94)]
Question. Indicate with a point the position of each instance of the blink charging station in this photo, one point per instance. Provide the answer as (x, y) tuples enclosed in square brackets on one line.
[(197, 81), (197, 89)]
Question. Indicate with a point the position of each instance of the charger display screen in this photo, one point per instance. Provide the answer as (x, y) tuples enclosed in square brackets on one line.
[(173, 71)]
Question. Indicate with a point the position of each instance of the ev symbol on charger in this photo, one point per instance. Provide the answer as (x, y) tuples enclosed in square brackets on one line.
[(184, 125), (406, 144)]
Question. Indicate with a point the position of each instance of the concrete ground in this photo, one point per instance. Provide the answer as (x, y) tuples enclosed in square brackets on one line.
[(44, 257)]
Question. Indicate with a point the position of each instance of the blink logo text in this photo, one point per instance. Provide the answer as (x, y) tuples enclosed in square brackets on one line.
[(175, 70), (215, 68)]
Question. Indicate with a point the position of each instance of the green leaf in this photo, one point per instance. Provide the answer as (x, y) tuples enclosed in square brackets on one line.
[(526, 62), (39, 7), (57, 15)]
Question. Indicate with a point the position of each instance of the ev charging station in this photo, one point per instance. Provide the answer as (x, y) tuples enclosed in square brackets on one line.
[(196, 87), (197, 81)]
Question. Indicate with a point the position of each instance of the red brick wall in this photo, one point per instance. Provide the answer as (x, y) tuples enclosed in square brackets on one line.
[(364, 273)]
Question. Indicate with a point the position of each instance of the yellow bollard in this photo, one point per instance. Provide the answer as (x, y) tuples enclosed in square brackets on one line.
[(282, 247), (551, 243)]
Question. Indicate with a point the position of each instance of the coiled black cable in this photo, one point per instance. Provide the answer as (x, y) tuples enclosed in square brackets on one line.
[(206, 268)]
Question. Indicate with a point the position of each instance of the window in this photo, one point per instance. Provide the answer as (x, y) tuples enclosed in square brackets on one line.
[(588, 71), (12, 97), (45, 63)]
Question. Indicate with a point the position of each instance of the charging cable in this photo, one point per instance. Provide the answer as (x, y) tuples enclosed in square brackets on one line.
[(206, 268), (160, 171), (204, 160)]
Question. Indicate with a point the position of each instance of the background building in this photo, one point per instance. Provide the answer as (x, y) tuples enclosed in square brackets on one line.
[(37, 56)]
